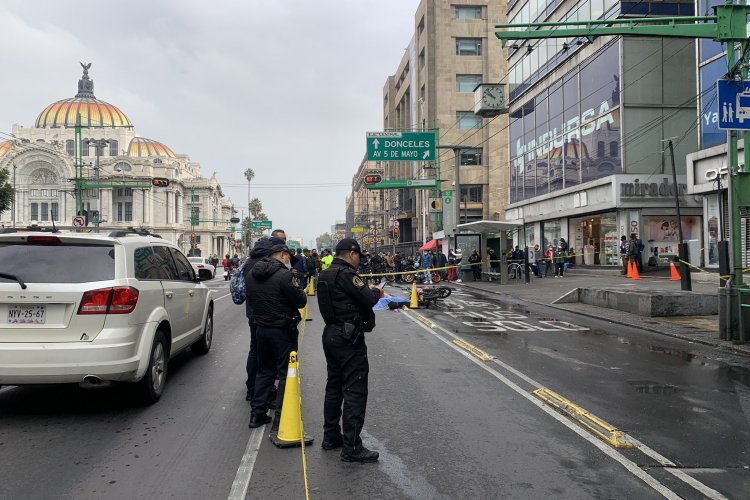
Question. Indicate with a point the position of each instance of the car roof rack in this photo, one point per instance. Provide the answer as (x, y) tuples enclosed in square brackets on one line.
[(34, 228), (139, 231)]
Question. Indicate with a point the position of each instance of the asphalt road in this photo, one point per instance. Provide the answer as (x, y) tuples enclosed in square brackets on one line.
[(447, 424)]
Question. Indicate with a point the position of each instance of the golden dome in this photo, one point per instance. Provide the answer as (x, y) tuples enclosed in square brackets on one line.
[(93, 112), (142, 147), (5, 147)]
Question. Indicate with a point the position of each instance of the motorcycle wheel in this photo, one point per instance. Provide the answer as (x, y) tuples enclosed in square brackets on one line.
[(436, 277), (408, 278), (390, 278), (444, 292)]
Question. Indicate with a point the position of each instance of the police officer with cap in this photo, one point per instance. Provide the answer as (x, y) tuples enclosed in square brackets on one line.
[(346, 303)]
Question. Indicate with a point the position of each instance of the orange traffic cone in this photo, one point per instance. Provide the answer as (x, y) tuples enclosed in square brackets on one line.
[(290, 431), (635, 276), (630, 269), (675, 273)]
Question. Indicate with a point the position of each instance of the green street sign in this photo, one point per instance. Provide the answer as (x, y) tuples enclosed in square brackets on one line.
[(401, 146), (260, 225), (292, 244), (405, 183)]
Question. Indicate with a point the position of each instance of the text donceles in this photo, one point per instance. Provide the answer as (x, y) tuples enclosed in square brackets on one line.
[(553, 139)]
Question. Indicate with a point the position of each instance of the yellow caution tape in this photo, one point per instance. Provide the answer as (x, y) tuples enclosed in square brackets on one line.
[(302, 433), (592, 423)]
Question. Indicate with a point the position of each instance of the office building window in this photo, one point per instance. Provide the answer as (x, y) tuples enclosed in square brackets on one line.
[(468, 46), (471, 157), (468, 12), (467, 119), (467, 83), (471, 193)]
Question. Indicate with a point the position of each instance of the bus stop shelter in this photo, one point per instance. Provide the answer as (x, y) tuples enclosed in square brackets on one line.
[(485, 227)]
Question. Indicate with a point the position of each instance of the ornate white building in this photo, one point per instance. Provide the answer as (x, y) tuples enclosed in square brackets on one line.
[(41, 161)]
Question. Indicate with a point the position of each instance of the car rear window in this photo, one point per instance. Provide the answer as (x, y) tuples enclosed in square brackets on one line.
[(58, 263)]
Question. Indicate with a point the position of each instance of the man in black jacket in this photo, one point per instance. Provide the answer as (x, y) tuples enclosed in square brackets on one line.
[(346, 302), (261, 249), (275, 297)]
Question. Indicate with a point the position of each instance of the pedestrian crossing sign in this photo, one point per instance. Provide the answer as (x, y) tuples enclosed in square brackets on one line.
[(734, 104)]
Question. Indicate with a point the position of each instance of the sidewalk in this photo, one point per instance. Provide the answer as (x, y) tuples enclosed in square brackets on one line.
[(700, 329)]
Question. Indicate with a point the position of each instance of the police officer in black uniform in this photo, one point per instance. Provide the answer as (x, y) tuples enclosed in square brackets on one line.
[(346, 303)]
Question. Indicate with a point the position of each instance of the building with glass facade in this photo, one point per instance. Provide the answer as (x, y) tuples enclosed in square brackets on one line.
[(707, 168), (586, 129)]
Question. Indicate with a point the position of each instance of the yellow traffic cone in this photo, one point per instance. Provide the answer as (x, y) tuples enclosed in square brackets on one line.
[(414, 304), (290, 431), (311, 287)]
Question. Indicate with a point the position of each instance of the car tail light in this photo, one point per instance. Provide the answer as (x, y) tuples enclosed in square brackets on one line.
[(116, 300), (200, 266), (44, 240)]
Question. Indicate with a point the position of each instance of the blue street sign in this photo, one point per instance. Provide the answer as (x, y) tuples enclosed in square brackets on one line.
[(734, 104)]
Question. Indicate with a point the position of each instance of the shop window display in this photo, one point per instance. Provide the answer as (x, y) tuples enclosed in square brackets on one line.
[(661, 237), (596, 239)]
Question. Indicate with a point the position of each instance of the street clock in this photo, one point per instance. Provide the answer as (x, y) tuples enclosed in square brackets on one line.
[(490, 100)]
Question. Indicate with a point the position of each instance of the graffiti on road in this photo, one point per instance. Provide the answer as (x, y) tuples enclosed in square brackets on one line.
[(485, 316)]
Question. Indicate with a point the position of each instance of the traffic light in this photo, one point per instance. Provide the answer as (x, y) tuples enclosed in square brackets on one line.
[(373, 179), (161, 182)]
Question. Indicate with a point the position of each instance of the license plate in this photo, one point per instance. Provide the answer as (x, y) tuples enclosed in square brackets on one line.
[(27, 314)]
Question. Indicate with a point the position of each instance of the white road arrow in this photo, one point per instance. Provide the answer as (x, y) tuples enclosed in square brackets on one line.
[(376, 143)]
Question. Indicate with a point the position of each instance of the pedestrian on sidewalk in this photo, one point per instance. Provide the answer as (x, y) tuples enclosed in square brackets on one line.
[(624, 254), (549, 260), (475, 261), (299, 270), (560, 256), (493, 260), (346, 303), (458, 256), (425, 262), (633, 252), (276, 297)]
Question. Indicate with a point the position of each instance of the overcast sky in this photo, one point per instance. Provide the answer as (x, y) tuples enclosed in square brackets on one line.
[(286, 87)]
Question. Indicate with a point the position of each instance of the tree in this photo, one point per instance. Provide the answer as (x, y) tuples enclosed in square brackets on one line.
[(6, 190), (324, 241), (249, 174), (256, 208)]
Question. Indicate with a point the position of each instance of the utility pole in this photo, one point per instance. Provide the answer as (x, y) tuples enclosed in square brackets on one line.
[(685, 282), (728, 26)]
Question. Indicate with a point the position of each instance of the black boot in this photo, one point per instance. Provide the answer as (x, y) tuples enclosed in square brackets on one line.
[(361, 455), (258, 419), (332, 444)]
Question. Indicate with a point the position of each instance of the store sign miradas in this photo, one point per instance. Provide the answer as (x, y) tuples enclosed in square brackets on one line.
[(571, 130)]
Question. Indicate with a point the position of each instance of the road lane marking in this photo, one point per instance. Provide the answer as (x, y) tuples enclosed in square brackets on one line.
[(473, 350), (615, 455), (222, 297), (245, 470)]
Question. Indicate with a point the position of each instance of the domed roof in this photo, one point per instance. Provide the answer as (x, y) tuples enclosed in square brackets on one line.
[(94, 113), (142, 147), (5, 147)]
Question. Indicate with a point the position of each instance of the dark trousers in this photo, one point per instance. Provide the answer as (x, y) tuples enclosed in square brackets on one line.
[(347, 383), (274, 346), (559, 268), (251, 367), (476, 270)]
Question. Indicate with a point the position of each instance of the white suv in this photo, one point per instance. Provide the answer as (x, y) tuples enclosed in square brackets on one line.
[(90, 309)]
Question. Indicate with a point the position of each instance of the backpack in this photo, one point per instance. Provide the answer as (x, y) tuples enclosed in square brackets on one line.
[(641, 246), (237, 286)]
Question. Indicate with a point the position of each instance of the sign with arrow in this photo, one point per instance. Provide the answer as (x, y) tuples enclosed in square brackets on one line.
[(401, 146)]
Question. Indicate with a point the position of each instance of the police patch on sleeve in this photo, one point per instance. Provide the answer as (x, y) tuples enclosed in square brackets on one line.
[(358, 282), (295, 282)]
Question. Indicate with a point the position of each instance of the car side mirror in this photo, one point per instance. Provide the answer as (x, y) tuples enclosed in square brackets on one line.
[(204, 275)]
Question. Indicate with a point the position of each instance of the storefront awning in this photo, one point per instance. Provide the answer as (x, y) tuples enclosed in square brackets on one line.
[(489, 226)]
